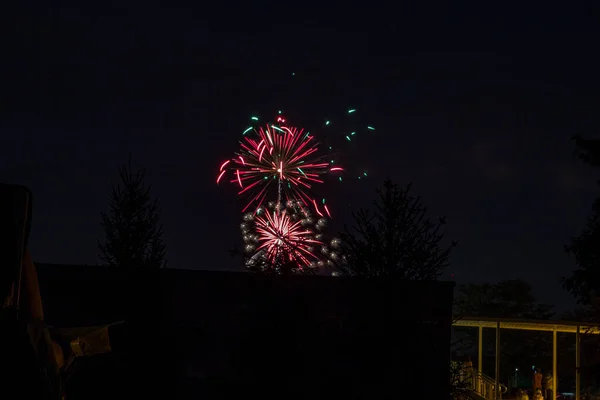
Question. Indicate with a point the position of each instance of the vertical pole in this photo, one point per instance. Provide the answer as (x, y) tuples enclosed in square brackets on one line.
[(554, 377), (19, 283), (577, 364), (497, 378), (479, 358)]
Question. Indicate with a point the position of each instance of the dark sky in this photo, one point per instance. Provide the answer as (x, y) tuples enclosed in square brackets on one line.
[(474, 105)]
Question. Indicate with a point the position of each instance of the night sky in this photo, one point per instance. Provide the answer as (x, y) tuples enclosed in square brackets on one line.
[(475, 106)]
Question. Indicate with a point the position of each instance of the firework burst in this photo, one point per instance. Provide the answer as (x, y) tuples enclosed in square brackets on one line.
[(278, 159), (287, 237), (283, 162)]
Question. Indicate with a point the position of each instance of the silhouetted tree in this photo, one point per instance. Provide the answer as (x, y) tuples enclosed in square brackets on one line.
[(506, 299), (590, 344), (133, 235), (584, 283), (397, 239), (587, 150)]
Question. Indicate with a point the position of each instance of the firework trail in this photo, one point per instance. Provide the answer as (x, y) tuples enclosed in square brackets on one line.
[(341, 137)]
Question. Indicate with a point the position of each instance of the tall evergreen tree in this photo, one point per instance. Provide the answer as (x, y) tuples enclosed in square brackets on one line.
[(133, 234), (397, 239), (584, 283)]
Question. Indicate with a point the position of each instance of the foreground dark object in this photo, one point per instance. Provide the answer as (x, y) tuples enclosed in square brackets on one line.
[(27, 352), (219, 335)]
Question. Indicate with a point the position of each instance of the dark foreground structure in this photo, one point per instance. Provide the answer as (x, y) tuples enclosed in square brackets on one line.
[(220, 335)]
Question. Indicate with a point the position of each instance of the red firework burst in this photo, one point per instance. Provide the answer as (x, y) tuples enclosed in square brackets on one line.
[(278, 158), (284, 240)]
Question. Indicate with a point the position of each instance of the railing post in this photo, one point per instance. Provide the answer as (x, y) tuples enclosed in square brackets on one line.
[(480, 357), (578, 364), (554, 369), (497, 380)]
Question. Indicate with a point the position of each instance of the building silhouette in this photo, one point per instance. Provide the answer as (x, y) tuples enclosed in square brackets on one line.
[(206, 334)]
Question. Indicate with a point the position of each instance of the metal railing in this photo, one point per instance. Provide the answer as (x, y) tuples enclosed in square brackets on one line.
[(468, 380), (485, 386)]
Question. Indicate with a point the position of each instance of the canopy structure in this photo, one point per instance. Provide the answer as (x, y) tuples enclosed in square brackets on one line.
[(578, 328)]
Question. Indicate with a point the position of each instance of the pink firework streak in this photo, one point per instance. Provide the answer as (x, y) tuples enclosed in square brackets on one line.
[(284, 240), (280, 158)]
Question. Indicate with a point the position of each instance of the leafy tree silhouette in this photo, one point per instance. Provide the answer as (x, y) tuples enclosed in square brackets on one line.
[(398, 239), (584, 283), (133, 235), (512, 298)]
